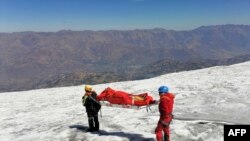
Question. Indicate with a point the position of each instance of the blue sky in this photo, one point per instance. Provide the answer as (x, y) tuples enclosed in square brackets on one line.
[(55, 15)]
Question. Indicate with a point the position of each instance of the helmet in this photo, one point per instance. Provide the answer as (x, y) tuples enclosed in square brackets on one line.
[(163, 89), (88, 88)]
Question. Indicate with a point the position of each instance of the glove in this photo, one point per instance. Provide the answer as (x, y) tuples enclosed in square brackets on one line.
[(154, 102)]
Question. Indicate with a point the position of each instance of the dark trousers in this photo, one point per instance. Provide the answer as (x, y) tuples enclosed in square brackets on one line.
[(93, 122)]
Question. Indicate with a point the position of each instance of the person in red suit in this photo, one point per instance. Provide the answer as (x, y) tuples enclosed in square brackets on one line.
[(165, 108)]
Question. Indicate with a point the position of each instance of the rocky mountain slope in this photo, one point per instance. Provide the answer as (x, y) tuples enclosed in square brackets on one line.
[(38, 59)]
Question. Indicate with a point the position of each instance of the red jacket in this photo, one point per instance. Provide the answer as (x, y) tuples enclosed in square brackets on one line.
[(166, 106)]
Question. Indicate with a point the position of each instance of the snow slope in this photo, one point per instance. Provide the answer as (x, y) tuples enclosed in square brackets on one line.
[(205, 99)]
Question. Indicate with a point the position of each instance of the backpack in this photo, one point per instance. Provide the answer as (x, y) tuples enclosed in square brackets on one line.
[(98, 106)]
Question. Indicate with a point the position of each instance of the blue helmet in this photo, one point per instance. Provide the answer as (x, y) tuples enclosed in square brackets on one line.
[(163, 89)]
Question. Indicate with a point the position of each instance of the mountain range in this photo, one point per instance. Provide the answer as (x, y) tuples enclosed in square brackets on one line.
[(30, 60)]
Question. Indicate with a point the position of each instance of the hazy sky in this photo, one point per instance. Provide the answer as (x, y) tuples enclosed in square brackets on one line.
[(54, 15)]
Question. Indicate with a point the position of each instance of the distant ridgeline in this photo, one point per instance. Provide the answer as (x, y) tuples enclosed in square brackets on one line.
[(30, 60)]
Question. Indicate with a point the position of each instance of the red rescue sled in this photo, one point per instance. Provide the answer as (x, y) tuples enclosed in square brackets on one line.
[(125, 99)]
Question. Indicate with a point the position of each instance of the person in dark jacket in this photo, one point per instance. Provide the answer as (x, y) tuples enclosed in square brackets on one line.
[(92, 108)]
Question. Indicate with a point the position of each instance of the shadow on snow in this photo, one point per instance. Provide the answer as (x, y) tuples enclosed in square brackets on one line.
[(130, 136)]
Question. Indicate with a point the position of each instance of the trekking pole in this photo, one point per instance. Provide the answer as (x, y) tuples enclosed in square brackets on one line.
[(101, 113), (148, 108)]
